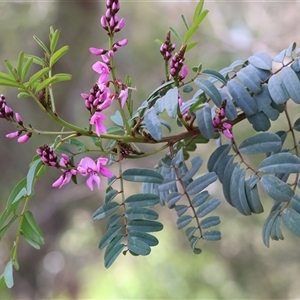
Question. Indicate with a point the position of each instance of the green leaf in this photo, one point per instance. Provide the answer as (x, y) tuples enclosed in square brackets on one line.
[(110, 195), (170, 100), (32, 173), (198, 10), (145, 237), (8, 275), (105, 210), (291, 83), (53, 40), (263, 101), (173, 198), (241, 96), (11, 69), (190, 231), (290, 49), (200, 198), (142, 175), (266, 231), (141, 213), (10, 83), (277, 89), (37, 76), (201, 183), (185, 22), (280, 163), (190, 46), (37, 60), (200, 18), (18, 192), (20, 63), (182, 221), (212, 235), (176, 33), (295, 201), (41, 44), (208, 207), (276, 189), (250, 79), (45, 83), (191, 31), (180, 209), (259, 121), (216, 75), (204, 122), (291, 220), (210, 222), (208, 88), (113, 250), (253, 197), (196, 164), (138, 246), (31, 232), (144, 225), (153, 124), (7, 226), (280, 57), (261, 60), (26, 68), (261, 143), (109, 235), (140, 200), (297, 125), (187, 88), (227, 180), (62, 77), (113, 220), (6, 77), (217, 156), (58, 54)]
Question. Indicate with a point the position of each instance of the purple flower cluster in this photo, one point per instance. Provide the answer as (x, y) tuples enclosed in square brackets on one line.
[(224, 127), (100, 96), (7, 113), (86, 167), (167, 47)]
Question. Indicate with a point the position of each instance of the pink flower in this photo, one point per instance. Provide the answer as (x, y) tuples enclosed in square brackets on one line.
[(123, 96), (96, 120), (184, 72), (120, 25), (104, 171), (88, 167), (103, 70), (24, 138), (13, 135), (63, 179), (227, 133), (97, 51)]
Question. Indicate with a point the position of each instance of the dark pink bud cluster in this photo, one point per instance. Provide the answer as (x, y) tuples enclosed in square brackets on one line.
[(224, 127), (167, 47), (7, 113), (48, 156), (177, 69), (110, 21)]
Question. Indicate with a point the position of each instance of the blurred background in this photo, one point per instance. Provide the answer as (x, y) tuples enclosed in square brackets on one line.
[(69, 265)]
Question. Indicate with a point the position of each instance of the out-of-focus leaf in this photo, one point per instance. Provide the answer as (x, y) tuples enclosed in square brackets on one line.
[(171, 102), (141, 200), (266, 231), (8, 275), (183, 221), (291, 83), (261, 60), (291, 220), (144, 225), (201, 183), (196, 164), (212, 235), (276, 189), (280, 163), (204, 122), (142, 175), (242, 97), (105, 210), (208, 207), (208, 88), (261, 143), (153, 124), (216, 75), (113, 250), (277, 89), (138, 246)]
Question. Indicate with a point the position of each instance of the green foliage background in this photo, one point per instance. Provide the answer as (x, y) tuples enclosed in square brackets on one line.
[(70, 266)]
